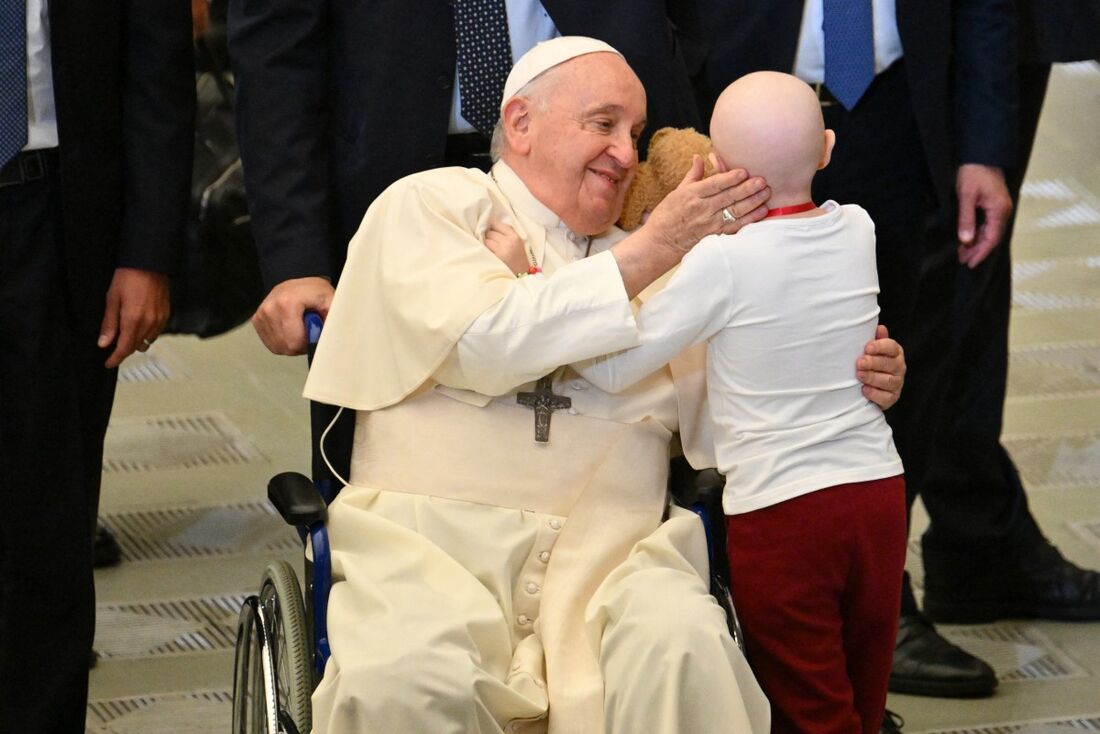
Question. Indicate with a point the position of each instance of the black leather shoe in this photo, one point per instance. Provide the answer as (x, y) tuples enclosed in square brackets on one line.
[(925, 664), (106, 550), (1040, 584), (891, 723)]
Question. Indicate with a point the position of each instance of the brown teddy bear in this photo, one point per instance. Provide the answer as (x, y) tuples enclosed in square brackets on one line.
[(668, 161)]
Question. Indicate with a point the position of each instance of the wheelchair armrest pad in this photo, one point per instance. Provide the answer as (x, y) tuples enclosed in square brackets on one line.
[(690, 487), (296, 499), (709, 485)]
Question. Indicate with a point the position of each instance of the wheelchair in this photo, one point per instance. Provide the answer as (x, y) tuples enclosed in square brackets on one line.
[(282, 638)]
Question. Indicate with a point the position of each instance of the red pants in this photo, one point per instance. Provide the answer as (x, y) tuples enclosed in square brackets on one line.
[(816, 582)]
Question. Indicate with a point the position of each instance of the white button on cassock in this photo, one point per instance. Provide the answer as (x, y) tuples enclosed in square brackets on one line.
[(555, 524), (544, 556), (532, 587), (523, 619)]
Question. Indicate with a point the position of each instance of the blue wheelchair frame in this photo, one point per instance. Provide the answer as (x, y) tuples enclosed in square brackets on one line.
[(304, 504)]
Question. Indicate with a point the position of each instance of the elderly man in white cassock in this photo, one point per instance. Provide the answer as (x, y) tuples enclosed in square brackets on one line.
[(503, 568)]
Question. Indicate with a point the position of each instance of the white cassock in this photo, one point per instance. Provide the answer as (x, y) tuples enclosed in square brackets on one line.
[(484, 582)]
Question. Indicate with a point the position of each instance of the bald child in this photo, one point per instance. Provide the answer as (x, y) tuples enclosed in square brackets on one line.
[(814, 497)]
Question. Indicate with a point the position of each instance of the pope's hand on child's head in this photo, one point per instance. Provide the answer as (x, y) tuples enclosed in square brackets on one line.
[(506, 244)]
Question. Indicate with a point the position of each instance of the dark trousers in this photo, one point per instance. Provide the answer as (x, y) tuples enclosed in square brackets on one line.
[(55, 398), (815, 583), (928, 303), (979, 517), (879, 163)]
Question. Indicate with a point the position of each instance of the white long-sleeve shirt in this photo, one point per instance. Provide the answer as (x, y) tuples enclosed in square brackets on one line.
[(786, 304)]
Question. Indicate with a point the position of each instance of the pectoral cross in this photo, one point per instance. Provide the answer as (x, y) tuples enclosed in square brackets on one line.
[(544, 402)]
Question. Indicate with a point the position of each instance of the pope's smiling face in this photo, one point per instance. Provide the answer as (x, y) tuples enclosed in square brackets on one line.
[(583, 141)]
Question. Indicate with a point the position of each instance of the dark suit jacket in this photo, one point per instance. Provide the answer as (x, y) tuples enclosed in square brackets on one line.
[(336, 99), (1053, 31), (963, 92), (124, 89)]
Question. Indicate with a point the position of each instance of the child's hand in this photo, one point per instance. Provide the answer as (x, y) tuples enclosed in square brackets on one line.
[(503, 242)]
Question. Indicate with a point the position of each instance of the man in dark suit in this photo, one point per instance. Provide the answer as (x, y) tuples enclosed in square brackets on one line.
[(984, 556), (337, 99), (95, 148), (923, 147)]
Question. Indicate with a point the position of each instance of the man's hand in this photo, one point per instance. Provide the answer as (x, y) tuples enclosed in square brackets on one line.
[(981, 188), (278, 320), (698, 206), (137, 309), (881, 369), (693, 210)]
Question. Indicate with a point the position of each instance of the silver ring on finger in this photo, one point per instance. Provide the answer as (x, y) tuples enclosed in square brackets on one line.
[(728, 217)]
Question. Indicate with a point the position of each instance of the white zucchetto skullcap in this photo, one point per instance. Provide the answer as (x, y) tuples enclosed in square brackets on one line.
[(545, 56)]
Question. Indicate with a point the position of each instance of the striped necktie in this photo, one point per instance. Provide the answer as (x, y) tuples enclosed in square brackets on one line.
[(484, 59), (849, 49), (13, 78)]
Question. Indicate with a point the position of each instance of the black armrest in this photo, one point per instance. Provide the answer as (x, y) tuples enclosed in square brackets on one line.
[(296, 499), (709, 485)]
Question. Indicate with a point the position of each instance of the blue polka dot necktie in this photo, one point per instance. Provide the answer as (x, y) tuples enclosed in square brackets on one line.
[(849, 49), (13, 78), (484, 59)]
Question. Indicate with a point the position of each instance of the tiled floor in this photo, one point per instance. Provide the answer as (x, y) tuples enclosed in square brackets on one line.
[(1050, 673), (200, 426)]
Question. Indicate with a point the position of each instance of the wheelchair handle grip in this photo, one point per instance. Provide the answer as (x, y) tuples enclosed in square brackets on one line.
[(313, 323)]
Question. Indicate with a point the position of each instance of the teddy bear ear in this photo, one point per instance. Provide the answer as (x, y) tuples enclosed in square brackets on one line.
[(671, 155), (655, 139), (639, 197)]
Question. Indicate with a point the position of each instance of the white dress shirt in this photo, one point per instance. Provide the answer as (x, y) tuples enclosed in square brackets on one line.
[(809, 62), (528, 24), (41, 116)]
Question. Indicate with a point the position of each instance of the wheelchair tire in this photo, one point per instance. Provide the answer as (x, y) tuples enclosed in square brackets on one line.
[(249, 689), (281, 599), (272, 681)]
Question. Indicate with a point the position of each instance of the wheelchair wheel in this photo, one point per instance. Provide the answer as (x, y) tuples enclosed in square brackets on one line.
[(281, 598), (272, 683), (721, 592), (249, 686)]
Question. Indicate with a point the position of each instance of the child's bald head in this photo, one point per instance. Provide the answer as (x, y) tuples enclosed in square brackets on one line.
[(770, 124)]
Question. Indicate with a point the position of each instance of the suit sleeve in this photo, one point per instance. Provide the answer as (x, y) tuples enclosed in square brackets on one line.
[(688, 25), (986, 103), (280, 58), (158, 133)]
